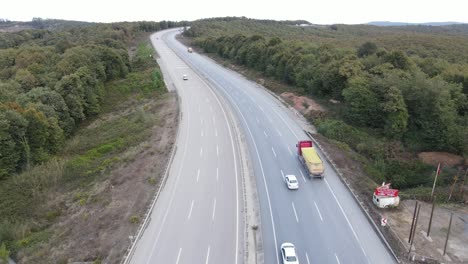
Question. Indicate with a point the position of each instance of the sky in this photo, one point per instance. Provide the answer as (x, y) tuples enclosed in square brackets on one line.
[(317, 12)]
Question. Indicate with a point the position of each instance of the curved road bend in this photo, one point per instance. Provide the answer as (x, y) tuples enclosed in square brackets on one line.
[(198, 215), (321, 218)]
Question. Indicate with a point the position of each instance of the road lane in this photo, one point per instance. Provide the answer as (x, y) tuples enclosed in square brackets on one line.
[(346, 233), (203, 180)]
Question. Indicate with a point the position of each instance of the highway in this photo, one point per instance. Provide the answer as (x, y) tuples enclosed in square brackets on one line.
[(321, 218), (198, 217)]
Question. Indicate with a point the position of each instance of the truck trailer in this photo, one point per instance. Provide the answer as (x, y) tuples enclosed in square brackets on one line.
[(310, 159)]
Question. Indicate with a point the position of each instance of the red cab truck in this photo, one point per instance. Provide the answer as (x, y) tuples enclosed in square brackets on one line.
[(309, 158)]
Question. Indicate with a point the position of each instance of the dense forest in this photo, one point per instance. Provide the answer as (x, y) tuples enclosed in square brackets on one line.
[(52, 80), (55, 78), (401, 88)]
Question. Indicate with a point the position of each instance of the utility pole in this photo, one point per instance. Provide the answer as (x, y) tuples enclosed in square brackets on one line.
[(435, 180), (414, 230), (412, 222), (448, 233), (463, 184), (455, 179), (432, 213)]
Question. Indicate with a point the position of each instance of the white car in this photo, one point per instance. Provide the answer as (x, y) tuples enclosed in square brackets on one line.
[(184, 77), (288, 254), (291, 182)]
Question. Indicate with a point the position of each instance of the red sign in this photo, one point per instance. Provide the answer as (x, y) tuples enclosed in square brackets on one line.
[(379, 191)]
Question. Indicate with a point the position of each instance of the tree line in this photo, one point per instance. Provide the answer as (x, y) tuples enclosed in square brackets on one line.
[(51, 81), (390, 102)]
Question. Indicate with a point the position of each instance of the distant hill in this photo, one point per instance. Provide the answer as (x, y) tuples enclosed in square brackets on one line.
[(39, 23), (392, 24)]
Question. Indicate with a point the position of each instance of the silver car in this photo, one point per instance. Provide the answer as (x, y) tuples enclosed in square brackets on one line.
[(291, 182), (288, 254)]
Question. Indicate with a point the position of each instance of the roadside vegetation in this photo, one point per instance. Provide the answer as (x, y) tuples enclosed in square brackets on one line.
[(75, 103), (397, 91)]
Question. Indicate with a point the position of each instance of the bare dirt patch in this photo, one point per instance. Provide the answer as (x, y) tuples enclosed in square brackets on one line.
[(433, 158), (302, 104), (96, 224)]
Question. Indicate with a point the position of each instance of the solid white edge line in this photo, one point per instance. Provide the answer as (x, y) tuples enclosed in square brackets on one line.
[(347, 220), (191, 208), (295, 213), (235, 168), (318, 211), (174, 189), (178, 255), (263, 175)]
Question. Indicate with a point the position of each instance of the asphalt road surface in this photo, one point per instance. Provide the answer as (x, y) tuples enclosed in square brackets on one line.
[(198, 215), (321, 218)]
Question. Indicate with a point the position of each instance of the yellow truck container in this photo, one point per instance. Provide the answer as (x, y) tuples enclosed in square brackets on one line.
[(310, 159)]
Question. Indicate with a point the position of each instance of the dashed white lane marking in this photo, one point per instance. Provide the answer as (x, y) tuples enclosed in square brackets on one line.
[(198, 175), (347, 220), (217, 150), (290, 152), (201, 151), (295, 213), (258, 121), (337, 259), (217, 174), (211, 108), (282, 173), (266, 135), (303, 177), (261, 108), (214, 121), (178, 255), (279, 133), (214, 210), (191, 208), (318, 211), (202, 133), (216, 132), (207, 255), (274, 153)]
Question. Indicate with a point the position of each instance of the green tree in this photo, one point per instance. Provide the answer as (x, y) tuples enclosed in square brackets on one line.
[(9, 155), (4, 254), (396, 114), (362, 105), (366, 49)]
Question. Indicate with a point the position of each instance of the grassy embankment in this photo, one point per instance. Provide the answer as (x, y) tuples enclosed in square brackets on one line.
[(113, 138)]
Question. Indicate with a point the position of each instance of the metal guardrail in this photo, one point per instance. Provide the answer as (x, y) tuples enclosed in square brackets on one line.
[(369, 218)]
